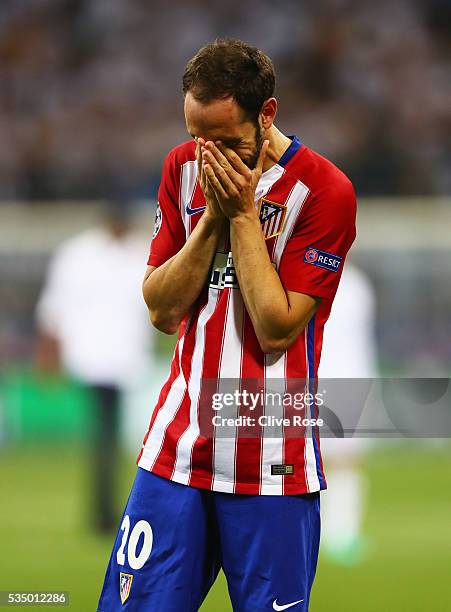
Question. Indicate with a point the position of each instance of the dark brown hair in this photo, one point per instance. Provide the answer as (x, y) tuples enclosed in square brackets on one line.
[(229, 67)]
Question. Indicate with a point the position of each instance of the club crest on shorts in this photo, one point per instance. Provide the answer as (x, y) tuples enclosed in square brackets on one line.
[(272, 217), (125, 584)]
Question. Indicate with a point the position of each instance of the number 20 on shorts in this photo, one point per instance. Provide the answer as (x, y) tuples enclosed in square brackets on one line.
[(135, 561)]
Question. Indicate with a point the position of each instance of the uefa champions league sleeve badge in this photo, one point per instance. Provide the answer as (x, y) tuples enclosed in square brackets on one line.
[(158, 221)]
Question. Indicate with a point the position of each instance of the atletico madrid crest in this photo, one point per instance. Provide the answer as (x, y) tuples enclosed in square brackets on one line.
[(272, 218), (125, 584)]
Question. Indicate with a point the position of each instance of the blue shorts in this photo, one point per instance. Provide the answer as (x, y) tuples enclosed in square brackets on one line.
[(173, 540)]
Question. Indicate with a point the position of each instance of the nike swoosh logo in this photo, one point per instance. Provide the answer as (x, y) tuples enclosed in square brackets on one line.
[(286, 606), (193, 211)]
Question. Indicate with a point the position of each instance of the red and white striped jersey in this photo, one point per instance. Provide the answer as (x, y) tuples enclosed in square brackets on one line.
[(307, 210)]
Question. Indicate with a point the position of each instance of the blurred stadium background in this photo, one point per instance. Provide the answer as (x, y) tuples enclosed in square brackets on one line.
[(90, 99)]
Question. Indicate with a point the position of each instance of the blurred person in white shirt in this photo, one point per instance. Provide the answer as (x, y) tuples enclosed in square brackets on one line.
[(349, 351), (93, 324)]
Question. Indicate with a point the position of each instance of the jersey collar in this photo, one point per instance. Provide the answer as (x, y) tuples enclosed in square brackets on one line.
[(291, 151)]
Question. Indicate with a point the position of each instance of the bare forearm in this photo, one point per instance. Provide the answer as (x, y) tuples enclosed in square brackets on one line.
[(263, 293), (278, 316), (234, 184), (172, 288)]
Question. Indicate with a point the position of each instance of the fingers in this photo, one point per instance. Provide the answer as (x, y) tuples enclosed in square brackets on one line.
[(215, 183), (199, 160), (218, 155), (235, 160), (216, 158), (221, 176), (200, 169), (230, 180), (223, 171)]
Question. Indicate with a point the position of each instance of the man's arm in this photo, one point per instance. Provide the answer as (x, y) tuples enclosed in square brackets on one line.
[(171, 289), (47, 354), (278, 316)]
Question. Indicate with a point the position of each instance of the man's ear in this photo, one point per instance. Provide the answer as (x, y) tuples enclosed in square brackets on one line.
[(268, 113)]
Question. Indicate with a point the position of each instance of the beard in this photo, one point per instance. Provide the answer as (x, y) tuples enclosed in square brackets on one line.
[(251, 161)]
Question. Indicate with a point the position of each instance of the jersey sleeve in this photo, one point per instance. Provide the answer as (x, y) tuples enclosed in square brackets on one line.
[(313, 258), (169, 232)]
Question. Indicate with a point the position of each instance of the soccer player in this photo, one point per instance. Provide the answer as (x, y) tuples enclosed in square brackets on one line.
[(250, 238)]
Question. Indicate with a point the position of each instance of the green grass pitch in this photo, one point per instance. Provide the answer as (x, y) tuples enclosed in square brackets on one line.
[(46, 543)]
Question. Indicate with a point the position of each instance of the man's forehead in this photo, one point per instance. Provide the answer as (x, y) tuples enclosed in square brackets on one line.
[(217, 119)]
